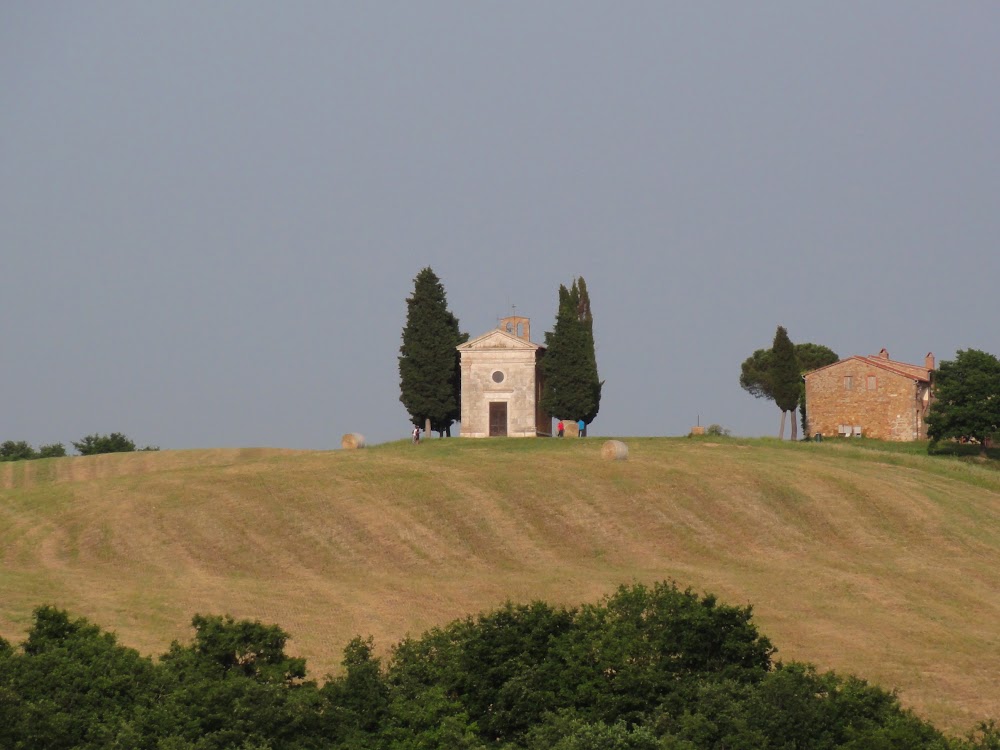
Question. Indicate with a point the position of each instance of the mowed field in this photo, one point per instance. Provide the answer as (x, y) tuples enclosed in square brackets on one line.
[(874, 563)]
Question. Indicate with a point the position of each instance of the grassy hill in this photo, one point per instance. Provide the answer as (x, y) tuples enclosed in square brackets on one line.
[(872, 562)]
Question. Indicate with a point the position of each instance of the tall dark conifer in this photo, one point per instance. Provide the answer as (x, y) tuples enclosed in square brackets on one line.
[(586, 318), (786, 378), (572, 387), (429, 375)]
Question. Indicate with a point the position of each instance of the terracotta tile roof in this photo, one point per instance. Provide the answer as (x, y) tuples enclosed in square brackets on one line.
[(917, 372), (914, 372)]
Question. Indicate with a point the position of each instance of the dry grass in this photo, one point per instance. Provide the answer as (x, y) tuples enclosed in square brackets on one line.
[(883, 565)]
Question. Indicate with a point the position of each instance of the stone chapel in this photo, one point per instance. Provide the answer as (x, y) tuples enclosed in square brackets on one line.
[(502, 383)]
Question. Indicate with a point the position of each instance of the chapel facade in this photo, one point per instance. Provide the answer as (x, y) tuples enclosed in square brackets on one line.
[(502, 383)]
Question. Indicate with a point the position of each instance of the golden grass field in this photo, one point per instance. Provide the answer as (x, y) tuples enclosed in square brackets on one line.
[(874, 563)]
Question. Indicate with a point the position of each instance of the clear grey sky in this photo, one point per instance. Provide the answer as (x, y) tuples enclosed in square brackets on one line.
[(211, 214)]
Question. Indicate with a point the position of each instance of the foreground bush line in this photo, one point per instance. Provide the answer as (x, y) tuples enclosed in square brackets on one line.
[(647, 668)]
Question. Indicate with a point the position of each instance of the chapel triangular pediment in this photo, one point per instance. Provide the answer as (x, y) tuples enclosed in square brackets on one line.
[(498, 339)]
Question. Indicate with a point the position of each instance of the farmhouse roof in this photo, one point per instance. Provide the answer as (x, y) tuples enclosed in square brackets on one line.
[(498, 339), (919, 373)]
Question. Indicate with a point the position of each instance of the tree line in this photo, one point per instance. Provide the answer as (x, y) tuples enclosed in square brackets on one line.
[(647, 668), (90, 445), (430, 378)]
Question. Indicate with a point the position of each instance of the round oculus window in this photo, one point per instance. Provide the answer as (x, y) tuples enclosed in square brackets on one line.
[(497, 376)]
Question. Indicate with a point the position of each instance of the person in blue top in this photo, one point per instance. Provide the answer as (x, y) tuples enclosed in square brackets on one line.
[(582, 427)]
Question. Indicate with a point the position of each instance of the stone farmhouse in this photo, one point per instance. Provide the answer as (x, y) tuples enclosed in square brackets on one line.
[(874, 396), (502, 383)]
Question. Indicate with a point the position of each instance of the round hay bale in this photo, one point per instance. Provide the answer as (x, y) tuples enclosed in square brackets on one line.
[(352, 441), (698, 430), (570, 429), (614, 450)]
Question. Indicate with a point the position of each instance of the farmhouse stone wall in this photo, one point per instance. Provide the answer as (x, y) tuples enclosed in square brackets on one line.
[(858, 393)]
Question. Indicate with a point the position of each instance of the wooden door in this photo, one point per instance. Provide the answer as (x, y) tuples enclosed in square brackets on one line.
[(498, 419)]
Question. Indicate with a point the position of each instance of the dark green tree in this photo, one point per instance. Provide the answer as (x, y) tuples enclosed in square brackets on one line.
[(430, 379), (75, 686), (16, 450), (586, 317), (755, 375), (234, 687), (572, 388), (786, 382), (966, 399), (116, 442), (357, 701)]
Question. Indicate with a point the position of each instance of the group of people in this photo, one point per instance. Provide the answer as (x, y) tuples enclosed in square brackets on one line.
[(581, 428)]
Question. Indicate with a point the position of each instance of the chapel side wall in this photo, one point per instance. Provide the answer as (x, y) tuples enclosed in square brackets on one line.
[(517, 390), (890, 412)]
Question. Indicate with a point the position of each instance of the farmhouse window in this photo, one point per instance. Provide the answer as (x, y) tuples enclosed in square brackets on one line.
[(848, 382), (872, 383)]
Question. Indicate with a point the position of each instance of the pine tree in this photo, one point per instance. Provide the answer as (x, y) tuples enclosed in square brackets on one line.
[(430, 380), (572, 388)]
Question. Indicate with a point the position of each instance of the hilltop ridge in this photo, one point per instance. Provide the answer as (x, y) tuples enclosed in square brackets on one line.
[(869, 562)]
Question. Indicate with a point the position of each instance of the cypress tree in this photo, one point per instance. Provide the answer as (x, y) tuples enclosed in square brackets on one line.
[(572, 388), (586, 318), (785, 377), (430, 381)]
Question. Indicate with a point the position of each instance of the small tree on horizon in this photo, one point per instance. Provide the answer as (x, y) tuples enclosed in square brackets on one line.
[(430, 379), (92, 445), (572, 388), (52, 450)]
